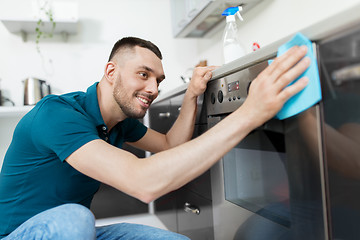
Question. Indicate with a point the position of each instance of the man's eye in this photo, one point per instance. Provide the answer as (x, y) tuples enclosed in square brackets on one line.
[(143, 74)]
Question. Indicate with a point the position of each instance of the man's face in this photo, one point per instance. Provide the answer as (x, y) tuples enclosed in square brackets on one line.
[(138, 76)]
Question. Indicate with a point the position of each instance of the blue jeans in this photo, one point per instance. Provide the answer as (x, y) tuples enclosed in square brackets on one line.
[(76, 222)]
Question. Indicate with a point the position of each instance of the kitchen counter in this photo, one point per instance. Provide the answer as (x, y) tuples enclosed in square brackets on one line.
[(176, 91)]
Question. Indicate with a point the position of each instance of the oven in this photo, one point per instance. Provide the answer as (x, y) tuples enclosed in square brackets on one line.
[(339, 57), (271, 185)]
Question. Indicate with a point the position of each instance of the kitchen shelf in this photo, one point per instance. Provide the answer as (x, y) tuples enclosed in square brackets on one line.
[(65, 27), (7, 112)]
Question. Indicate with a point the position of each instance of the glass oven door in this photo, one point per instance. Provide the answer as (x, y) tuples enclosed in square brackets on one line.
[(270, 186), (340, 74)]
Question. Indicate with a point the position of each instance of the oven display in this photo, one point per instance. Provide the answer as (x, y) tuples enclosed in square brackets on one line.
[(233, 86)]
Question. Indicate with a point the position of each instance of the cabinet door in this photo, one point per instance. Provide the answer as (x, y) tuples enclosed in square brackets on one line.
[(194, 216), (160, 116), (179, 17), (161, 120), (184, 11), (201, 185), (110, 202), (175, 106), (165, 209)]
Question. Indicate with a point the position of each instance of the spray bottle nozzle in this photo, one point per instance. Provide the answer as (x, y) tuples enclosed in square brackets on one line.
[(232, 11)]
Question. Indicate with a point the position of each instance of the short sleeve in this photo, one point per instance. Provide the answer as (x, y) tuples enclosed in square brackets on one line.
[(61, 129)]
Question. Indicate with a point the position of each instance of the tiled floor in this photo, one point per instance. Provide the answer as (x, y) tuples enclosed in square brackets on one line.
[(146, 219)]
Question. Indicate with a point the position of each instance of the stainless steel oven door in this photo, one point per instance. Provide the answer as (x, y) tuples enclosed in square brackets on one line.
[(271, 185)]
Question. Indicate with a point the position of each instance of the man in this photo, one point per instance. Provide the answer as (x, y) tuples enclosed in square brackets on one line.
[(67, 144)]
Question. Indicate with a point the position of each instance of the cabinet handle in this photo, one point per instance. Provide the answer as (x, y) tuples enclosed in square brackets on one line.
[(192, 13), (182, 23), (164, 115), (191, 208)]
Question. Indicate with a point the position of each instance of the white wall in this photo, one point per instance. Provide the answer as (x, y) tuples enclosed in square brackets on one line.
[(78, 63), (273, 20)]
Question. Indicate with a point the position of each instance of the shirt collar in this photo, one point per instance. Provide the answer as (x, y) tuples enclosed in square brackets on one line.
[(92, 105)]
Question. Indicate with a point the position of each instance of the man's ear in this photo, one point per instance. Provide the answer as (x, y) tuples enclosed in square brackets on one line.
[(109, 72)]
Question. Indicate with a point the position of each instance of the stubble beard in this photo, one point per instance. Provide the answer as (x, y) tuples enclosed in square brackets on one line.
[(124, 102)]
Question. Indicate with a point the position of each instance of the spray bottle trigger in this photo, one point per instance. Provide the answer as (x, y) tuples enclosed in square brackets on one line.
[(239, 15)]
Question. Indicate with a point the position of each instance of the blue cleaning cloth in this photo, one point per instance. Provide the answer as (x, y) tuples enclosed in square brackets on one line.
[(311, 94)]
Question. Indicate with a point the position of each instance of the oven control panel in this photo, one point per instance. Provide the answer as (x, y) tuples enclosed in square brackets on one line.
[(224, 95)]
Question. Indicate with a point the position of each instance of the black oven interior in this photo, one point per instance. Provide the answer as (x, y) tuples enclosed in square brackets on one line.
[(255, 175)]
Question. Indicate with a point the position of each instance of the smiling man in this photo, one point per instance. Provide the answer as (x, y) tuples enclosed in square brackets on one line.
[(66, 145)]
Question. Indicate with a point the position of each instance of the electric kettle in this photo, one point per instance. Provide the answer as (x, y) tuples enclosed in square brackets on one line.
[(34, 90)]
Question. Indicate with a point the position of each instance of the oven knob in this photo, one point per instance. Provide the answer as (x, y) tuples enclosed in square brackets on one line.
[(220, 96), (212, 98)]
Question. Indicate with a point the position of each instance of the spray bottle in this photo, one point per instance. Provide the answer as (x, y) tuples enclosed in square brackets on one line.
[(231, 44)]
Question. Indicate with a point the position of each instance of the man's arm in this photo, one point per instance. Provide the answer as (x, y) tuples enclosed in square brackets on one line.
[(148, 179), (183, 128)]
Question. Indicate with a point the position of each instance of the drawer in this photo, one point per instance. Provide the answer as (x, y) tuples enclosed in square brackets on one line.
[(194, 216), (201, 185)]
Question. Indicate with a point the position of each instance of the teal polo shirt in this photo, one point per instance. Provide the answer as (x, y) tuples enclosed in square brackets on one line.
[(35, 176)]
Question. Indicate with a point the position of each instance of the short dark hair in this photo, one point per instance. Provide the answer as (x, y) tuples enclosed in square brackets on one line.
[(131, 42)]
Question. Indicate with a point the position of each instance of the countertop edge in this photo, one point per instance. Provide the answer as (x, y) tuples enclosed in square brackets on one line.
[(176, 91)]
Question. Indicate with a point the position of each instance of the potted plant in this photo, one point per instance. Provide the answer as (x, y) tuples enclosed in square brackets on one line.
[(45, 13)]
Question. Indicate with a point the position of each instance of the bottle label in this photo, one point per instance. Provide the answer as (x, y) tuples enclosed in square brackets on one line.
[(232, 52)]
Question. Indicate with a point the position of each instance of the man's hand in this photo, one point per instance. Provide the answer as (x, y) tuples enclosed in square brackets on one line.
[(270, 90), (199, 80)]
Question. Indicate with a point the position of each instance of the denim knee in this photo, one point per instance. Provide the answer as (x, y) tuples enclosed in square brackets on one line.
[(65, 222), (135, 231), (78, 222)]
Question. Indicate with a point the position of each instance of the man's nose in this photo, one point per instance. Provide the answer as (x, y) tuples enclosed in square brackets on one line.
[(152, 87)]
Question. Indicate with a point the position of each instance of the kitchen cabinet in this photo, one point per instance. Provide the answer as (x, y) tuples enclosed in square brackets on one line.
[(194, 215), (202, 18), (110, 202), (187, 210), (161, 120), (184, 12)]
